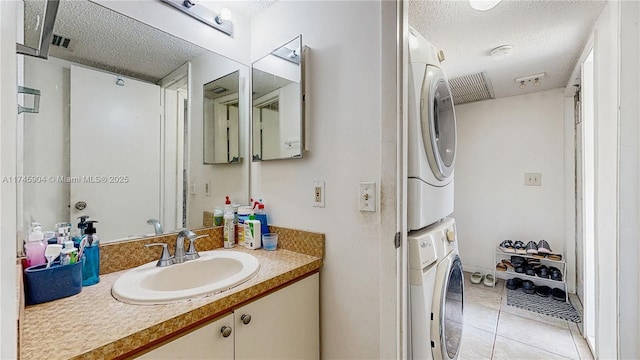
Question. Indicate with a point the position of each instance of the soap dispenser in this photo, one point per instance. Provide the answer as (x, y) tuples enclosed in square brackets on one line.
[(79, 232), (91, 250)]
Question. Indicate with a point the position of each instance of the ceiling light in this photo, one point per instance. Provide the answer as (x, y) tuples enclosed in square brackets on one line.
[(522, 85), (536, 82), (501, 52), (529, 78), (483, 5), (189, 3)]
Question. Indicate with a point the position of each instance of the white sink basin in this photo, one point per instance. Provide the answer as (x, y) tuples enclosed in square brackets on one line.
[(215, 271)]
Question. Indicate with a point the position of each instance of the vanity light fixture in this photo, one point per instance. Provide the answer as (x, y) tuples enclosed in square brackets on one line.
[(535, 79), (484, 5), (221, 21)]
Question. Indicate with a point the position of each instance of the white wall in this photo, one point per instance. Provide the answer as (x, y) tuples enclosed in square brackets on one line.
[(498, 141), (629, 183), (344, 112), (8, 112)]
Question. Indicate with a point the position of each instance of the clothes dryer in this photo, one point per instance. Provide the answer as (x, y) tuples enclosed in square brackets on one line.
[(432, 136)]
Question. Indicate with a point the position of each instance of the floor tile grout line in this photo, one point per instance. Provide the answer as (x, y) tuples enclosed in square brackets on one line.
[(533, 346)]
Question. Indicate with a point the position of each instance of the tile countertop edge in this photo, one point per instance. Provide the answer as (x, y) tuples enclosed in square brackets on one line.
[(145, 339)]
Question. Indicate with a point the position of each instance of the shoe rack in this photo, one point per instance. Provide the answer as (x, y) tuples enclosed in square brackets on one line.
[(538, 281)]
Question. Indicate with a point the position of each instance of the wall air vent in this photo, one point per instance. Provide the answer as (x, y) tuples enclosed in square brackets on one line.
[(61, 41), (470, 88)]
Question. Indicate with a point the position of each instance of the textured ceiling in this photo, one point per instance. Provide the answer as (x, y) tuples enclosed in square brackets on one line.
[(548, 36), (107, 40), (248, 8)]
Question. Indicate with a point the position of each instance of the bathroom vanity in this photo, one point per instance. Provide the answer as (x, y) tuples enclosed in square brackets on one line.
[(282, 300)]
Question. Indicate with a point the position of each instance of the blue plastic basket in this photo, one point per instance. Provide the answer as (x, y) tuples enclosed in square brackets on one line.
[(58, 281)]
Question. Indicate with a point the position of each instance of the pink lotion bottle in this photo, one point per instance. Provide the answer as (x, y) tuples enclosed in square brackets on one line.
[(35, 245)]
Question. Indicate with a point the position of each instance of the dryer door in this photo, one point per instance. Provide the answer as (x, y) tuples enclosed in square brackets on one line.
[(446, 327), (438, 122)]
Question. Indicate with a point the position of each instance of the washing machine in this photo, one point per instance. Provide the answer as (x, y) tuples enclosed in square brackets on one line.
[(432, 136), (436, 292)]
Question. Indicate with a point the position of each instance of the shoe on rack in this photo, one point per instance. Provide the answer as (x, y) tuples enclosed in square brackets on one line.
[(543, 247), (514, 284), (556, 274), (477, 277), (528, 287), (519, 247), (543, 272), (517, 260), (543, 291), (558, 294), (554, 257), (489, 280), (532, 248), (508, 264), (501, 266), (506, 246)]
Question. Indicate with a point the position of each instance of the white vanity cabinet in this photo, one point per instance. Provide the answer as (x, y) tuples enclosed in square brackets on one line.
[(282, 325), (212, 341)]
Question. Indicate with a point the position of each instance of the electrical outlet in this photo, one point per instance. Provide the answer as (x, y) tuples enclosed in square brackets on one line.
[(318, 193), (533, 179), (367, 196)]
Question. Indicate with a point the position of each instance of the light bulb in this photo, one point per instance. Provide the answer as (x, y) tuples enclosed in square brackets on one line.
[(225, 14), (522, 85), (536, 82)]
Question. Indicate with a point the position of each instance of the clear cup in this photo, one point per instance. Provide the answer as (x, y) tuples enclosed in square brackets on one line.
[(270, 241)]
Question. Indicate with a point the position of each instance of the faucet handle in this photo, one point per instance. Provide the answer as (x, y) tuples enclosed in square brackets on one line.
[(192, 253), (165, 258)]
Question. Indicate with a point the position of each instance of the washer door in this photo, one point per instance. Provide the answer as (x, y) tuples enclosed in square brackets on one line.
[(446, 327), (438, 123)]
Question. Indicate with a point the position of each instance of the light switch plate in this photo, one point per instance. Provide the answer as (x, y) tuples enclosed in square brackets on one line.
[(193, 188), (318, 193), (207, 188), (367, 196)]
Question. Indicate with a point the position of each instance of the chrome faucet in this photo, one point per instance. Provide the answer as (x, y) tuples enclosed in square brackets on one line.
[(180, 255), (156, 225)]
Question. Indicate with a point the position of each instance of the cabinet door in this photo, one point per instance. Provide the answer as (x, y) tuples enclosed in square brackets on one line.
[(206, 342), (283, 325)]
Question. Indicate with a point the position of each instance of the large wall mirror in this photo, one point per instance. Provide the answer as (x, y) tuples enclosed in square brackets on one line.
[(278, 103), (118, 136)]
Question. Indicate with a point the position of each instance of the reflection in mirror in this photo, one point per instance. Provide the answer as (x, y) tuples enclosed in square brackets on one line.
[(101, 146), (277, 110), (221, 120)]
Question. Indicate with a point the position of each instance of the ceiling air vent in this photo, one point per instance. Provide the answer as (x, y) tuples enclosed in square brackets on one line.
[(61, 41), (470, 88)]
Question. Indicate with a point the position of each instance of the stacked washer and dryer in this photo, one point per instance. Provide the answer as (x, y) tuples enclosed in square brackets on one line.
[(435, 270)]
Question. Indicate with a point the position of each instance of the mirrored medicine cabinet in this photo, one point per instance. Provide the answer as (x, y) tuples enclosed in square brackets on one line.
[(277, 108)]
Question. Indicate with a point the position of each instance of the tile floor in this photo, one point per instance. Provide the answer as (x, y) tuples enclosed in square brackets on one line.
[(494, 330)]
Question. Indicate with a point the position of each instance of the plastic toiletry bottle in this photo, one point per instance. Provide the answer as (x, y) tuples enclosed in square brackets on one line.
[(91, 252), (252, 233), (243, 215), (229, 225), (35, 245), (261, 215), (79, 232), (68, 255)]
